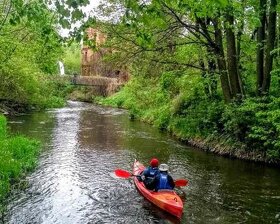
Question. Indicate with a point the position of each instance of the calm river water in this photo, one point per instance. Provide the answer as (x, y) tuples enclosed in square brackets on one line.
[(83, 144)]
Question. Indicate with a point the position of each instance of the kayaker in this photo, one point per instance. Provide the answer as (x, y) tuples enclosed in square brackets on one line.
[(163, 181), (149, 174)]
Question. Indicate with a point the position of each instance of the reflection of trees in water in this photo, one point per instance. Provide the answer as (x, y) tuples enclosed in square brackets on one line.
[(145, 141), (106, 132), (225, 189), (37, 125), (220, 191), (98, 131)]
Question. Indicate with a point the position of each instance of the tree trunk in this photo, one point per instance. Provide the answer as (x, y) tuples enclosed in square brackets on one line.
[(260, 46), (219, 51), (238, 47), (232, 56), (204, 76), (210, 83), (277, 44), (212, 78), (271, 33), (240, 33)]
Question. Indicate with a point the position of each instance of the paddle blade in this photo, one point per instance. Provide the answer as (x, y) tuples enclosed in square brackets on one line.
[(122, 173), (181, 182)]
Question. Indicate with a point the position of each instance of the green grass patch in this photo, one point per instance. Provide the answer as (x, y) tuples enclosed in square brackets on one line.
[(18, 156)]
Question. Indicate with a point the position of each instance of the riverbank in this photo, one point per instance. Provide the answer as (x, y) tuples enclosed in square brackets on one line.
[(18, 156), (245, 131), (230, 151), (220, 147), (8, 107), (66, 185), (50, 92)]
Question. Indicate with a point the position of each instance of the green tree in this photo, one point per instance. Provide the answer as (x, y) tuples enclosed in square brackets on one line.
[(72, 59)]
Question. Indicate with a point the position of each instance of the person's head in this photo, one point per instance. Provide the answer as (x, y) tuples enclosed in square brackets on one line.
[(154, 162), (163, 167)]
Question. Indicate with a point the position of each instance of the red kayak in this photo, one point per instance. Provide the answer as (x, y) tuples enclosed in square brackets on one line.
[(167, 200)]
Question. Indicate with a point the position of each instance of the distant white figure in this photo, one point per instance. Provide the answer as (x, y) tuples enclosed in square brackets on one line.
[(61, 68)]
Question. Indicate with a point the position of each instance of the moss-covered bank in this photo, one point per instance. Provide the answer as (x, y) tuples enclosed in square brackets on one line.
[(248, 130), (18, 156)]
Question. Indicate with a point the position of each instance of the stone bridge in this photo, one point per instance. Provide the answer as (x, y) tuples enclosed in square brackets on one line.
[(103, 85), (92, 80)]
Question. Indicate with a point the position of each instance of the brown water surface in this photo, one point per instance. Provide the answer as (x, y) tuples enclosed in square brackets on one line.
[(83, 144)]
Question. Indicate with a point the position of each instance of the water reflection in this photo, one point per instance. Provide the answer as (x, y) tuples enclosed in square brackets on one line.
[(83, 144), (98, 132)]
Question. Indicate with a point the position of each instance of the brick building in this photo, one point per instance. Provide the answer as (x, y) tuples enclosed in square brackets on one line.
[(92, 60)]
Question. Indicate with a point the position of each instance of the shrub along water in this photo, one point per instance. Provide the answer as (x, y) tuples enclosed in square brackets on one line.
[(18, 156), (47, 92), (248, 130), (203, 70)]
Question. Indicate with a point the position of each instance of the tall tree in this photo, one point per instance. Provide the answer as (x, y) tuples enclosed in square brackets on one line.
[(260, 45), (270, 44), (232, 53), (219, 51), (215, 27)]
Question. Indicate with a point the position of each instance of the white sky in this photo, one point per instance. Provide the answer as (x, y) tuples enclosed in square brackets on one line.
[(90, 7), (93, 4)]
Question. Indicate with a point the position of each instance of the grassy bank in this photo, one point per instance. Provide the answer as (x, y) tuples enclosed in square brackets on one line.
[(18, 156), (47, 92), (248, 130)]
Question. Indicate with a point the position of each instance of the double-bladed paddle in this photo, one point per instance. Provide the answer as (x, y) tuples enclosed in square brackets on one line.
[(126, 174), (181, 182)]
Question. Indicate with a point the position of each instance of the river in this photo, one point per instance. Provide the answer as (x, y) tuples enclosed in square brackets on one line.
[(83, 144)]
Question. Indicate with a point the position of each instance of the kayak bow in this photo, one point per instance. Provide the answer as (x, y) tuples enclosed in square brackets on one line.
[(167, 200)]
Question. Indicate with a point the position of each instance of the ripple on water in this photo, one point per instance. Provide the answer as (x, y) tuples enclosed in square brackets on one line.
[(74, 181)]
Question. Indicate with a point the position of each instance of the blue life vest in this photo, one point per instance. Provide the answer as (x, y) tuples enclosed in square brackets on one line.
[(153, 172), (163, 182), (150, 172)]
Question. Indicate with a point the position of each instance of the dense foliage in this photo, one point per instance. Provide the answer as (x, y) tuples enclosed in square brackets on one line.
[(72, 59), (30, 48), (201, 69)]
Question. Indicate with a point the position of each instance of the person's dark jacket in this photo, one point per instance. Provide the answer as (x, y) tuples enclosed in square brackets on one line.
[(163, 181), (149, 174)]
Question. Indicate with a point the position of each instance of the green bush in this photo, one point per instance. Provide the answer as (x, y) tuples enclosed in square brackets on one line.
[(178, 103), (256, 123), (72, 59), (18, 155), (196, 117), (169, 83), (54, 91), (238, 119), (266, 131), (3, 127), (24, 85)]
